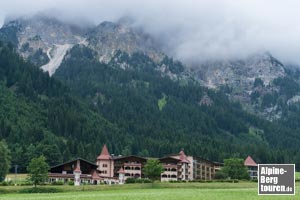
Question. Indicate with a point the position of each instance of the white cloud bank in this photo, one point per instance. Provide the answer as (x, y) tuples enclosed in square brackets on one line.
[(192, 30)]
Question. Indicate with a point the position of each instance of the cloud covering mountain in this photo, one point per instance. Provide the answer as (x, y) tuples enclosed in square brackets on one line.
[(192, 31)]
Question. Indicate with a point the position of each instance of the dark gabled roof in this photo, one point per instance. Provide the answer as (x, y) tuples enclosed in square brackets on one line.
[(206, 160), (124, 157), (70, 161), (218, 163), (169, 157)]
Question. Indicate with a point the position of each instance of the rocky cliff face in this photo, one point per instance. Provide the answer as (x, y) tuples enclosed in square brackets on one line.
[(239, 73), (252, 81), (44, 40), (107, 38), (247, 81)]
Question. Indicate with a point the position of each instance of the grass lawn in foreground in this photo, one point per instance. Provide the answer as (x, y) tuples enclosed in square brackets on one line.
[(297, 175), (163, 191)]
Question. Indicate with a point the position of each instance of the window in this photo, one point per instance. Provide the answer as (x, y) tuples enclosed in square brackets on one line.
[(104, 165)]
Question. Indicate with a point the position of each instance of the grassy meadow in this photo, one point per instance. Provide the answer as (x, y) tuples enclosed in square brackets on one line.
[(164, 191)]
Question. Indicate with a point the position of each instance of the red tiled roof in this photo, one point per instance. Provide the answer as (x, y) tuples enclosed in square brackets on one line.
[(121, 171), (77, 169), (95, 175), (249, 162), (104, 154), (183, 157)]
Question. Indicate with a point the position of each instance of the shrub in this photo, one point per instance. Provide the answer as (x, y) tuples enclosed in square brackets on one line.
[(71, 183), (3, 183), (130, 180), (138, 180), (221, 175), (25, 183), (57, 183), (6, 183)]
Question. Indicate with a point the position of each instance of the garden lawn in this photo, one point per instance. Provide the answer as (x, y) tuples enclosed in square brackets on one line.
[(195, 191)]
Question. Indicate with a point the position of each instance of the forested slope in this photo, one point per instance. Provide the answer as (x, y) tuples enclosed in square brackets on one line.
[(162, 115)]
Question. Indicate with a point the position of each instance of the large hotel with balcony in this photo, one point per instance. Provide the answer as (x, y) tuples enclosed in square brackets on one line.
[(116, 169)]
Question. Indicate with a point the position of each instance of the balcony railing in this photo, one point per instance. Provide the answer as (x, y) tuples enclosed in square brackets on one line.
[(133, 164)]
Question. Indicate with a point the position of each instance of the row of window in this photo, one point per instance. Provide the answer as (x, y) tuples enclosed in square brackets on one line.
[(168, 176), (171, 169), (132, 168), (132, 175)]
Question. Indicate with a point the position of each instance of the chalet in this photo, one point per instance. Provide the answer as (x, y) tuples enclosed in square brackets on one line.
[(132, 166), (251, 166), (109, 166), (78, 170)]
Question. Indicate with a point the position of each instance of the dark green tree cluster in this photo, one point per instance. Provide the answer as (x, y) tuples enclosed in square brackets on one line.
[(39, 116), (133, 109), (4, 160), (162, 115), (38, 170), (153, 169), (234, 168)]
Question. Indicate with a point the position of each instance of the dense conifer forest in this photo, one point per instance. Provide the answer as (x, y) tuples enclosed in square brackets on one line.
[(135, 110)]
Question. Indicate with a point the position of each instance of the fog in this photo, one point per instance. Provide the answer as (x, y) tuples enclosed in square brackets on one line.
[(192, 31)]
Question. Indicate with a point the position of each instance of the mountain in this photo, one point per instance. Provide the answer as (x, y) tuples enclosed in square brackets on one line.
[(261, 83), (45, 41), (107, 38), (39, 115), (42, 40), (112, 84), (243, 73), (243, 79), (162, 114)]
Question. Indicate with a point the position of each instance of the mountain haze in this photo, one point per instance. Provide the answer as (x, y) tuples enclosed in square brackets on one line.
[(113, 84)]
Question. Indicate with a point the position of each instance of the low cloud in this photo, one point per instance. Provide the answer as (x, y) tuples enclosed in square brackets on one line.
[(192, 31)]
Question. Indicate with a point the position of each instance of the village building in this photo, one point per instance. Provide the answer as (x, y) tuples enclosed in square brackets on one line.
[(78, 170), (116, 169), (251, 166), (132, 166), (184, 167), (171, 169), (110, 167), (105, 163), (204, 169)]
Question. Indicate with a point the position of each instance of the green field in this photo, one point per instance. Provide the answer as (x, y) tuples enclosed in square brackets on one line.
[(16, 177), (297, 175), (164, 191)]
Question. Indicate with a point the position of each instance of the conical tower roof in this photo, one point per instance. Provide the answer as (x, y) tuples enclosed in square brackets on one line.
[(77, 169), (183, 157), (121, 171), (104, 154), (250, 162)]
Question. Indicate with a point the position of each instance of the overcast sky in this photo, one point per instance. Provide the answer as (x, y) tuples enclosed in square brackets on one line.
[(192, 30)]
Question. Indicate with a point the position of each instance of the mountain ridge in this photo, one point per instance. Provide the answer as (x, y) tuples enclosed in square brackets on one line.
[(148, 106)]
